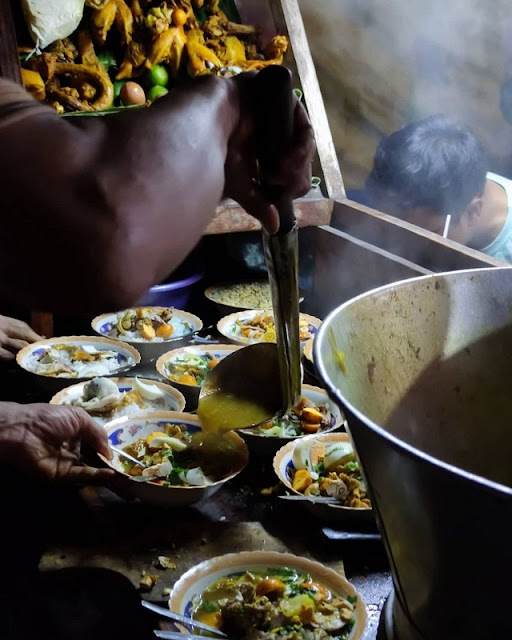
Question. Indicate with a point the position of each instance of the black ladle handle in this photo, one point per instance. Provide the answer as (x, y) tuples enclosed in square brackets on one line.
[(274, 104)]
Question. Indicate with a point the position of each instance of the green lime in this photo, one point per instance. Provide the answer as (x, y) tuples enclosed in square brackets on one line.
[(158, 76), (118, 85), (156, 92)]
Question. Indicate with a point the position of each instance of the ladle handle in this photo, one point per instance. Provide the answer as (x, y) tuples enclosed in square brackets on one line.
[(274, 132)]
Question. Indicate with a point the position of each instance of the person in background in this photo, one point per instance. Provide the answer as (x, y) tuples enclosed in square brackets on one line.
[(433, 173)]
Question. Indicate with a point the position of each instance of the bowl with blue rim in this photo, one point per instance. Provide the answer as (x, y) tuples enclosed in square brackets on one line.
[(182, 470), (58, 362)]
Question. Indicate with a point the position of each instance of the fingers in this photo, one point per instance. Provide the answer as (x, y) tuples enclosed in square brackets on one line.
[(14, 345), (19, 330), (89, 475), (88, 431), (258, 206), (6, 356)]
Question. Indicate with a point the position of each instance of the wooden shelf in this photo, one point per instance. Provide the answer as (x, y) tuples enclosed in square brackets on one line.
[(312, 210)]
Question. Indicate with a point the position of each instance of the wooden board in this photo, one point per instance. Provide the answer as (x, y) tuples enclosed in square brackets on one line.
[(231, 218), (346, 267), (406, 240)]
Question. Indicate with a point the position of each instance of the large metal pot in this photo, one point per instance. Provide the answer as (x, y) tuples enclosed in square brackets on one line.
[(427, 388)]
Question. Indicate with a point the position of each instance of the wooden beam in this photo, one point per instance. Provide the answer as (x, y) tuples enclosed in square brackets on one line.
[(9, 60), (346, 267), (407, 240), (231, 218)]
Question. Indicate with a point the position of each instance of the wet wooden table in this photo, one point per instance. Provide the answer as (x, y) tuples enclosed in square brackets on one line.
[(128, 536)]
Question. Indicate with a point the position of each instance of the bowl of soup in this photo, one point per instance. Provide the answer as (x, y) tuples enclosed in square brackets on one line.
[(267, 594), (180, 468)]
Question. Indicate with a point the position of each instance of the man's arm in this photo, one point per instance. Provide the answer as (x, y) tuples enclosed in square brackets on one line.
[(96, 210)]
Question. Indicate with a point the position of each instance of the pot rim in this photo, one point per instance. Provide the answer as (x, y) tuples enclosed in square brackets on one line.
[(397, 442)]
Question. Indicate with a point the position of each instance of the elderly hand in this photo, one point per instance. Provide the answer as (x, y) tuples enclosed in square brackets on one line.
[(293, 173), (14, 335), (43, 440)]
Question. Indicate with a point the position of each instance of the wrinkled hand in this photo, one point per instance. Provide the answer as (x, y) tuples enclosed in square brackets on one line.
[(43, 440), (14, 335), (293, 173)]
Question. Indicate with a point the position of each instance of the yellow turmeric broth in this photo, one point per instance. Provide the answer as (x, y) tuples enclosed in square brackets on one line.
[(220, 412)]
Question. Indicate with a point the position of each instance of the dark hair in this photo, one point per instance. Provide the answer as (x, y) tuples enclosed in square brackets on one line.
[(435, 163)]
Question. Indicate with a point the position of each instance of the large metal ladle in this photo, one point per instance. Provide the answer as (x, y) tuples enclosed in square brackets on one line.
[(269, 375)]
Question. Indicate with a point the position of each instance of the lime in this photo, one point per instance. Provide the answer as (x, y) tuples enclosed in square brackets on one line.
[(156, 92), (158, 76)]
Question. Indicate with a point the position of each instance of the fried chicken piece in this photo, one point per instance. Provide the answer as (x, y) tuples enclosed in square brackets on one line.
[(64, 50), (124, 21), (79, 75), (86, 47), (103, 20), (134, 58), (199, 54), (229, 50), (96, 4), (168, 47), (274, 53)]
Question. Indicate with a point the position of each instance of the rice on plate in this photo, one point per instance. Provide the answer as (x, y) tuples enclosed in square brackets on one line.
[(107, 398)]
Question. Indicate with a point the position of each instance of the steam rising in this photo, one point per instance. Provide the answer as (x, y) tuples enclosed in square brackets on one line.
[(382, 63)]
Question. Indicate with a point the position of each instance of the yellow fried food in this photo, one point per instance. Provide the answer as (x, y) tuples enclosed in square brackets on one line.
[(103, 20), (168, 47), (93, 75), (34, 84), (124, 21)]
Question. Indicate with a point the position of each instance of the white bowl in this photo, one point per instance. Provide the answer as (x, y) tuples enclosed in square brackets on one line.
[(198, 578), (172, 400), (127, 358), (149, 349), (124, 431), (330, 512), (191, 391), (229, 328), (268, 445)]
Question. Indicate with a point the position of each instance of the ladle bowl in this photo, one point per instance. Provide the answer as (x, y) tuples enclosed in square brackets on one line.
[(423, 370), (249, 374)]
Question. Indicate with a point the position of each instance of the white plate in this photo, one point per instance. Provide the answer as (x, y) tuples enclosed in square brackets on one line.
[(229, 328), (172, 400)]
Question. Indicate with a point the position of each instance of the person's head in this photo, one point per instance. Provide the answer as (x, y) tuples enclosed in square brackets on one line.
[(427, 170)]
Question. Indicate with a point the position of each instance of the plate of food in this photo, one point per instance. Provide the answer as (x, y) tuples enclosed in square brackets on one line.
[(187, 367), (230, 297), (180, 469), (105, 399), (257, 325), (271, 595), (325, 466), (315, 413), (59, 362), (149, 329)]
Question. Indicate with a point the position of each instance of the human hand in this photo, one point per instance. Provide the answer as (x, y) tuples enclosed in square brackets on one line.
[(43, 440), (14, 335), (292, 174)]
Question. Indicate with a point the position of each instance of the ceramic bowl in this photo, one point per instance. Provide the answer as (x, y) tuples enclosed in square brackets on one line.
[(127, 358), (268, 445), (191, 391), (198, 578), (213, 294), (229, 328), (124, 431), (172, 400), (283, 466), (150, 349)]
